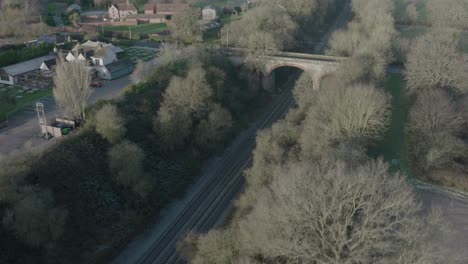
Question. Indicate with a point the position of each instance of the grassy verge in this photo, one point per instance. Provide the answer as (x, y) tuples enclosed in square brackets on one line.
[(393, 146)]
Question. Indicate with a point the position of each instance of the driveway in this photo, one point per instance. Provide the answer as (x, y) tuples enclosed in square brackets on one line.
[(23, 129)]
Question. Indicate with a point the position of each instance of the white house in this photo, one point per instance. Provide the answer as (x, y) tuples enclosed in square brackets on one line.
[(209, 13), (103, 56), (121, 11)]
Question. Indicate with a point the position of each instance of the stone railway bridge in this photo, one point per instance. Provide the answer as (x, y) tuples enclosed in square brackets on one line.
[(317, 66)]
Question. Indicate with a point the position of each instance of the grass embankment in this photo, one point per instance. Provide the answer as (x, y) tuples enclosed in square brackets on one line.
[(393, 146)]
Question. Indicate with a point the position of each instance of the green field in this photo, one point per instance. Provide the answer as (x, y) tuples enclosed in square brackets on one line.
[(216, 3), (392, 147), (137, 53), (23, 98), (143, 28)]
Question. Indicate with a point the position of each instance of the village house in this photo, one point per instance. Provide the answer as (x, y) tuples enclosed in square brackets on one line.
[(122, 10), (94, 52), (150, 9)]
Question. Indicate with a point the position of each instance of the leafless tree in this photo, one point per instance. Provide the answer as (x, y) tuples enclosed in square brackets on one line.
[(184, 27), (328, 212), (143, 71), (434, 61), (261, 30), (434, 129), (345, 114), (72, 88), (109, 124), (213, 130), (451, 13), (126, 165), (33, 218), (367, 39)]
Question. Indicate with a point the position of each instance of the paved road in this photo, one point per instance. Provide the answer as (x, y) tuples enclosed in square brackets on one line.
[(23, 127)]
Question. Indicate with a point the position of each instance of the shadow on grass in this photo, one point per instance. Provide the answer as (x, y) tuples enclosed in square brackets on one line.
[(393, 146)]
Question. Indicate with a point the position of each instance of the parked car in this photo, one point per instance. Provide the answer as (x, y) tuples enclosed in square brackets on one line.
[(96, 84)]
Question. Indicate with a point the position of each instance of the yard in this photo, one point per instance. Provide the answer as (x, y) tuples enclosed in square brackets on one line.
[(14, 98), (143, 28), (138, 53)]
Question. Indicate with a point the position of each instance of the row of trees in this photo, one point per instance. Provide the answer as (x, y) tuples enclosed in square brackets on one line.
[(451, 13), (20, 19), (312, 194), (437, 82)]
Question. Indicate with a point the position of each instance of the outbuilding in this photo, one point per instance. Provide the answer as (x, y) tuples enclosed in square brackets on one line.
[(115, 70), (13, 74)]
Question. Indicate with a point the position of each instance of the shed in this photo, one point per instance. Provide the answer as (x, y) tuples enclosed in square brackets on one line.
[(9, 74), (48, 65)]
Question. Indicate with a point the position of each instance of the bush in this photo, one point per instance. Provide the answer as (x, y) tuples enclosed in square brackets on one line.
[(34, 220), (109, 124), (126, 165), (433, 131)]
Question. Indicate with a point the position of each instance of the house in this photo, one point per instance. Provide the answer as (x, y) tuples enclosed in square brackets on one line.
[(209, 13), (14, 74), (150, 9), (115, 70), (48, 65), (103, 56), (94, 52), (170, 9), (121, 11)]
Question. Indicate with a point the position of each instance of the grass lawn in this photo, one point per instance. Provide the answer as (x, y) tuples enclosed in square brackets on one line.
[(137, 53), (143, 28), (393, 147), (216, 3), (23, 99)]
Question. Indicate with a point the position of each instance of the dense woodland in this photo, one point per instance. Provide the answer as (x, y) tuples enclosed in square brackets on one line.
[(313, 194)]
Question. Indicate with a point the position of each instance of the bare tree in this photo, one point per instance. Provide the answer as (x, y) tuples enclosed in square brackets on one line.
[(367, 39), (143, 71), (72, 88), (331, 213), (213, 130), (184, 27), (434, 61), (434, 129), (126, 165), (34, 220), (452, 13), (338, 114), (261, 30), (109, 124)]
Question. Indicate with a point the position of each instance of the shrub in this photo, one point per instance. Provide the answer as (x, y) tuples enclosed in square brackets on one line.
[(109, 124), (126, 166), (34, 220)]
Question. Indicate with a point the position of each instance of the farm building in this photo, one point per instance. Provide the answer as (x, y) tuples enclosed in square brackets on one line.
[(22, 71), (115, 70)]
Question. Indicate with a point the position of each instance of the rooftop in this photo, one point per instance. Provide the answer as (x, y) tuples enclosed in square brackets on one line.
[(27, 66)]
